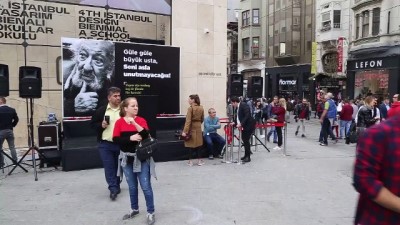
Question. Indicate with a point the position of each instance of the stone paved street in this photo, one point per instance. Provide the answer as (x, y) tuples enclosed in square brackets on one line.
[(309, 186)]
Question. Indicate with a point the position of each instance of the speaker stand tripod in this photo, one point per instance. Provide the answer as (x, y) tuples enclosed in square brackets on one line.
[(14, 163), (32, 147)]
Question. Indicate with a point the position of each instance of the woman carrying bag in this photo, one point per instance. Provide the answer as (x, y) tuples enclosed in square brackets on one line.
[(129, 130), (194, 119)]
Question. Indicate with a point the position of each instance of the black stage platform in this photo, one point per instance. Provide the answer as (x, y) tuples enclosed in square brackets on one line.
[(80, 145)]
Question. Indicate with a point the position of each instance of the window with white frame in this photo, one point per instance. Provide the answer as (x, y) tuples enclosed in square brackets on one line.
[(326, 21), (246, 18), (256, 16)]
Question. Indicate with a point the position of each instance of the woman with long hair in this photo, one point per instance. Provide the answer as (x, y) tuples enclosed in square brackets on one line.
[(194, 118), (129, 130), (279, 111)]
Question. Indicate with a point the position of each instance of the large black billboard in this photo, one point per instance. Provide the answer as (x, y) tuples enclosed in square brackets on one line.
[(90, 67), (149, 70)]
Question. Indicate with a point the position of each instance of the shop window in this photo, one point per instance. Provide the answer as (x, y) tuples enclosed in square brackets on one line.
[(365, 23), (376, 13), (256, 17), (371, 81), (246, 18)]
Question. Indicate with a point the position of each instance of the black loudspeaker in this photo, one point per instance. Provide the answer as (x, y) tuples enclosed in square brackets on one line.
[(30, 82), (254, 87), (4, 81), (235, 85)]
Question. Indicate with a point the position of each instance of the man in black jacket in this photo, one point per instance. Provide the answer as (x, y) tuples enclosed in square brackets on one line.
[(8, 120), (103, 121), (243, 120)]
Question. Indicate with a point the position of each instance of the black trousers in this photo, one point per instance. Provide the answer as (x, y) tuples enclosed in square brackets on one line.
[(279, 133), (246, 135)]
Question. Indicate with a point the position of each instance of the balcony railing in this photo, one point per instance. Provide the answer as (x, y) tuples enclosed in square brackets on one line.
[(336, 25)]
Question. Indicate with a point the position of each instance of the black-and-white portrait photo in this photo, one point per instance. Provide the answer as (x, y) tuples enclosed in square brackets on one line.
[(88, 71)]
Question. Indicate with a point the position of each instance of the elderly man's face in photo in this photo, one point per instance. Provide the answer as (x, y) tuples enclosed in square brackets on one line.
[(93, 64)]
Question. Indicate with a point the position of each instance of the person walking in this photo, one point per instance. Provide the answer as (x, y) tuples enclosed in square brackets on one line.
[(327, 118), (384, 108), (194, 119), (377, 173), (8, 120), (128, 131), (103, 122), (302, 113), (345, 119), (280, 111)]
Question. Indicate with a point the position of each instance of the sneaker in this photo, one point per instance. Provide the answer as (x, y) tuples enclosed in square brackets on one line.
[(297, 132), (130, 215), (322, 144), (275, 142), (200, 163), (277, 148), (151, 219), (303, 135), (220, 156), (210, 157)]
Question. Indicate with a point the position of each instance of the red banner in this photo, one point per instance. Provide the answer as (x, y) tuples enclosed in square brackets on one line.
[(340, 55)]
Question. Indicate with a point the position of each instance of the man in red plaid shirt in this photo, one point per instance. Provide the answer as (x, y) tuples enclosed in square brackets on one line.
[(377, 173)]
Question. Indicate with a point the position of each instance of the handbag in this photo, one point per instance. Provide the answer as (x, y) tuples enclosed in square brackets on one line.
[(188, 134), (146, 148)]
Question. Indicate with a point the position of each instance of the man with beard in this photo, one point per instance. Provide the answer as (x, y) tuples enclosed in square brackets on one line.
[(88, 76)]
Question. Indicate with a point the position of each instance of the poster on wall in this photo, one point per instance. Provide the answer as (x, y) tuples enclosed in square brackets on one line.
[(90, 67), (152, 6), (45, 22)]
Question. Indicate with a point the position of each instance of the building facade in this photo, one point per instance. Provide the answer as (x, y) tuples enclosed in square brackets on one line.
[(374, 57), (290, 34), (332, 38), (199, 29), (251, 39)]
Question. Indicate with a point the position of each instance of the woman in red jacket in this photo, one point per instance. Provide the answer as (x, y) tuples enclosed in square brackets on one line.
[(279, 110)]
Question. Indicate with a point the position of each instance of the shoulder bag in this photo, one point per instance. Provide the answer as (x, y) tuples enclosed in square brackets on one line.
[(146, 148), (189, 133)]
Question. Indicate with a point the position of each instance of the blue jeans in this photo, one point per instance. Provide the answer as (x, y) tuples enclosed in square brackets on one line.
[(145, 183), (273, 131), (212, 138), (109, 153), (344, 128), (7, 134)]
